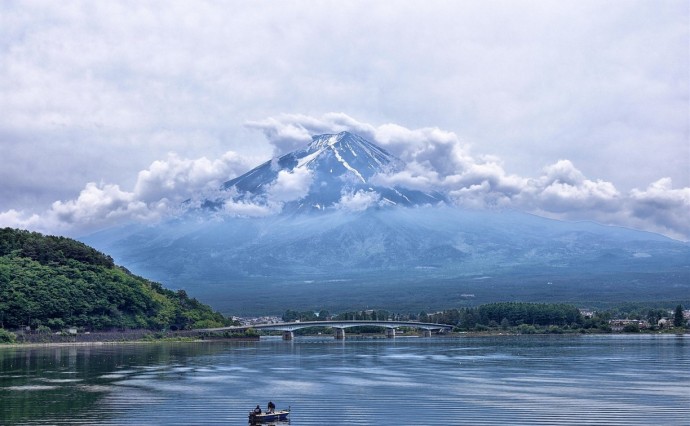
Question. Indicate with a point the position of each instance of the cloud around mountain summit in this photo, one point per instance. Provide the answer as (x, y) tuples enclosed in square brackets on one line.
[(438, 159), (434, 160)]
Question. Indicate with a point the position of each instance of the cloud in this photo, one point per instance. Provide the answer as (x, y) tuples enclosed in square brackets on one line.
[(430, 146), (289, 132), (290, 186), (358, 201), (247, 208), (426, 150), (97, 206), (284, 138), (158, 192), (563, 188), (103, 204), (287, 187), (665, 208), (99, 91), (434, 159), (19, 219), (176, 178), (563, 192)]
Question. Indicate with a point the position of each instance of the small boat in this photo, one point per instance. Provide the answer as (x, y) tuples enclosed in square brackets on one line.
[(278, 415)]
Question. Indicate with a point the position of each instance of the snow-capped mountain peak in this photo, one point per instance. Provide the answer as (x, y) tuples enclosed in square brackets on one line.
[(338, 165), (352, 152)]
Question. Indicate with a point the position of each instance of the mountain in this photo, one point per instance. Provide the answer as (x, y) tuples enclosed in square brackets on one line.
[(57, 282), (413, 259), (338, 165), (410, 251)]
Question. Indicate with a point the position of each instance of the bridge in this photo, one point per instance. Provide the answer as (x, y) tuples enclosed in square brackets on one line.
[(288, 328)]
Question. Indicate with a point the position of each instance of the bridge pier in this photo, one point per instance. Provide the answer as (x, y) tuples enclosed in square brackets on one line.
[(426, 333), (339, 333), (390, 332), (288, 335)]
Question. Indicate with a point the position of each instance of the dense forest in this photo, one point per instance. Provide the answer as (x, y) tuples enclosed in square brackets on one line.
[(56, 282), (515, 313)]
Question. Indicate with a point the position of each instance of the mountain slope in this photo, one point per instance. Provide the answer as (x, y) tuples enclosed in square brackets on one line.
[(338, 165), (58, 282), (408, 256), (320, 253)]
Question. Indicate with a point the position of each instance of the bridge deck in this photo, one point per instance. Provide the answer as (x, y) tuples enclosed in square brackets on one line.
[(291, 326)]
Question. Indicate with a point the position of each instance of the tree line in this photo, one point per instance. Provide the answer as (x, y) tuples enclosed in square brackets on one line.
[(523, 317), (48, 249), (505, 314)]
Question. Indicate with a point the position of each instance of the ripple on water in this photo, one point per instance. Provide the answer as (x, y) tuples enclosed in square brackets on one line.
[(30, 388), (514, 381), (112, 376), (61, 380)]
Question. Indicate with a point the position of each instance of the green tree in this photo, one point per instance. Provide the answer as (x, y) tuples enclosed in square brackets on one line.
[(654, 315), (55, 281), (678, 316), (290, 316), (527, 329), (383, 315), (631, 328), (6, 336), (469, 319)]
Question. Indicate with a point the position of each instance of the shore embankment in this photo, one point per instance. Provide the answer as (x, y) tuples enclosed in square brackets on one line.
[(117, 337), (192, 336)]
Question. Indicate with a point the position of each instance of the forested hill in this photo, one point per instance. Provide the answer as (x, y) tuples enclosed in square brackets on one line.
[(58, 282)]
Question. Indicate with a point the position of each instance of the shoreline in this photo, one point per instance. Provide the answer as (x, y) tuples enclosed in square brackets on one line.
[(120, 342), (352, 337)]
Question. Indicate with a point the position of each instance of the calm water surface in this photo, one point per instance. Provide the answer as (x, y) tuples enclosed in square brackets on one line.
[(605, 380)]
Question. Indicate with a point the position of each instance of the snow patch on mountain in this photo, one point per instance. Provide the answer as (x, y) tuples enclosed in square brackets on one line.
[(335, 171)]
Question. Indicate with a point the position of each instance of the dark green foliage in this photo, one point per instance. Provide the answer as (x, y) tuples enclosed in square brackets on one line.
[(654, 315), (7, 337), (368, 315), (530, 313), (516, 317), (631, 328), (651, 311), (49, 249), (678, 316), (510, 314), (290, 316), (57, 282), (527, 329)]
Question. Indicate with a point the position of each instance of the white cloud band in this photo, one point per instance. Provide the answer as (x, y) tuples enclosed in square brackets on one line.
[(435, 159)]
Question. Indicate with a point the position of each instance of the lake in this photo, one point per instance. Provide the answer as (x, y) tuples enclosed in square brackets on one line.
[(598, 380)]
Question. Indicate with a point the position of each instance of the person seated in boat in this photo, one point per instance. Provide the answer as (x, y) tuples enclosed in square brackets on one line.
[(257, 410), (271, 407)]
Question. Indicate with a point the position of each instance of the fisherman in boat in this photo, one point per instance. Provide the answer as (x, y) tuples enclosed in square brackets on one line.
[(271, 407), (257, 410)]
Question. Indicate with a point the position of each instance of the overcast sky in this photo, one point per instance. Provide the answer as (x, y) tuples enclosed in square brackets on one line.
[(112, 111)]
